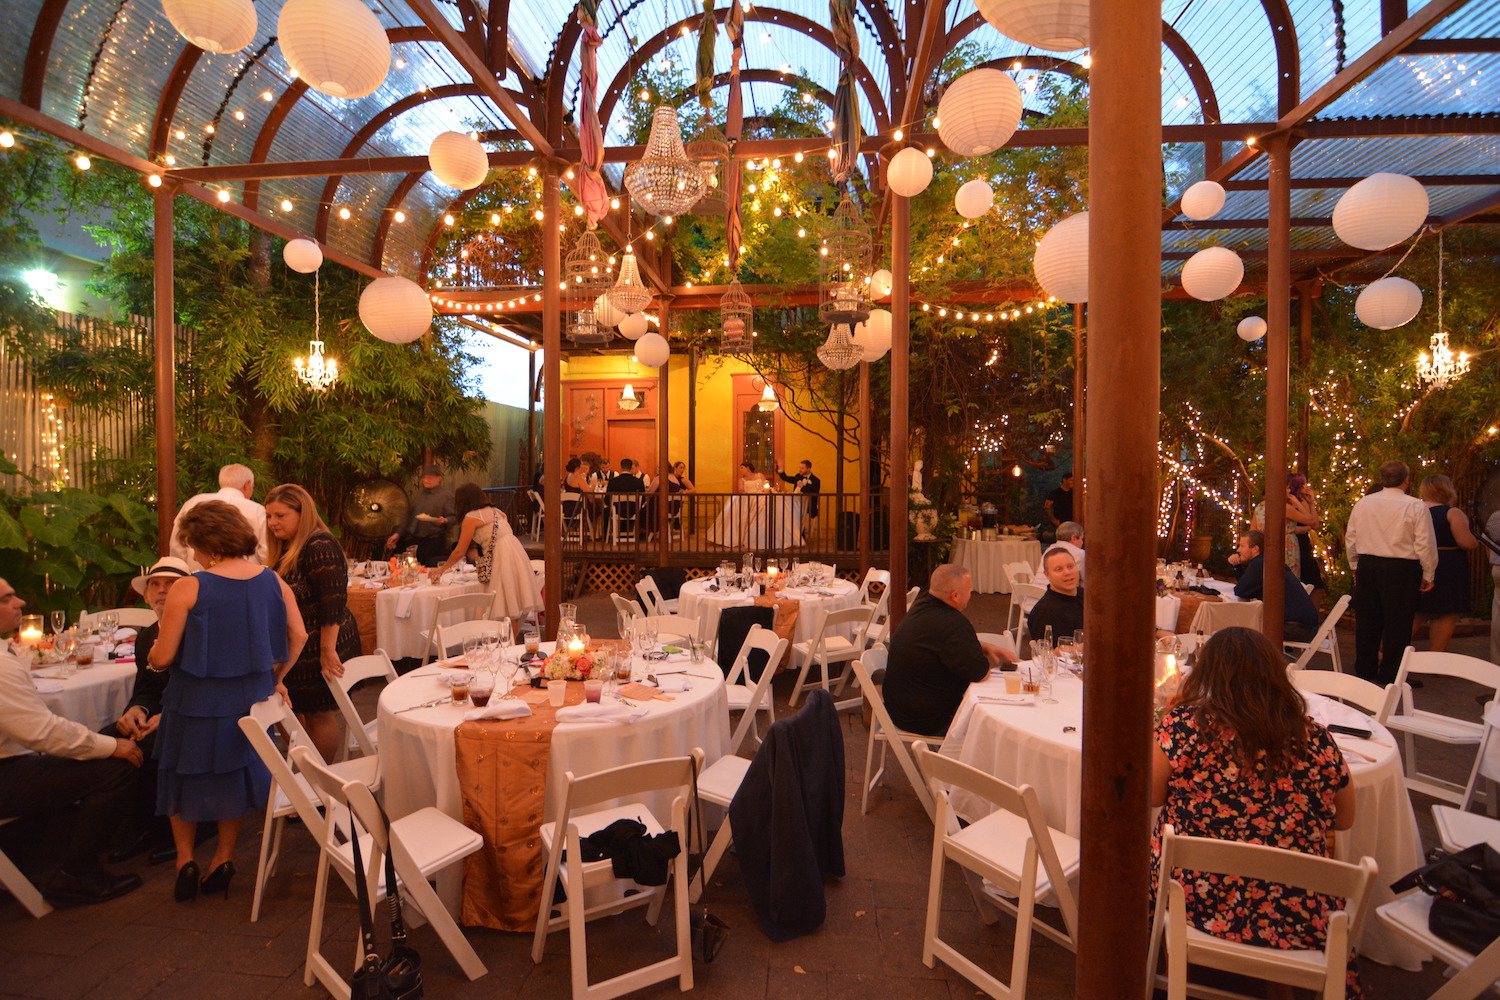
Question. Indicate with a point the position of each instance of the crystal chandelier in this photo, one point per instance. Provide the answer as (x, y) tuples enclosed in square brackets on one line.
[(839, 351), (768, 401), (317, 372), (735, 316), (664, 181), (628, 399), (629, 294), (584, 273), (1439, 367)]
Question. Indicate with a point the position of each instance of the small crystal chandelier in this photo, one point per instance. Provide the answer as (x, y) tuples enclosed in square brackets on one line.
[(664, 181), (629, 294), (317, 371), (628, 399), (735, 316), (839, 351), (1439, 367), (768, 401)]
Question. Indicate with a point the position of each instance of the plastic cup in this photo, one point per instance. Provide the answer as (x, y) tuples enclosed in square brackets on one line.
[(593, 690), (557, 692), (1012, 682)]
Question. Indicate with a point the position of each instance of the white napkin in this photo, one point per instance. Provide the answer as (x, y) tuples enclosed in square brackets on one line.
[(404, 601), (125, 653), (597, 713), (122, 634), (46, 686), (508, 708), (374, 585), (674, 684)]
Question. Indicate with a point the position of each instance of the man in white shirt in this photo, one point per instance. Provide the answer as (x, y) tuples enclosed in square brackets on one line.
[(1393, 554), (48, 763), (236, 485), (1070, 537)]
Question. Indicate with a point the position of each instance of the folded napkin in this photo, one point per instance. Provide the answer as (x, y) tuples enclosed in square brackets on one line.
[(597, 713), (124, 651), (404, 601), (675, 683), (643, 692), (374, 585), (506, 708), (46, 686), (55, 672)]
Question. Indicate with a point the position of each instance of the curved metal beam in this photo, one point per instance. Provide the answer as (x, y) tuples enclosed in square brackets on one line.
[(1288, 58), (454, 207), (171, 96), (388, 218), (39, 52)]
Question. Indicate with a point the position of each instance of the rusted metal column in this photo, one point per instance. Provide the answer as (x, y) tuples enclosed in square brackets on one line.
[(1278, 365), (900, 372), (864, 474), (663, 420), (1123, 417), (1080, 434), (165, 330), (551, 396)]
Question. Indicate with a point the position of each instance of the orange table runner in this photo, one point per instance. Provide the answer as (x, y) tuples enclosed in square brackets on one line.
[(1189, 609), (787, 613), (361, 603)]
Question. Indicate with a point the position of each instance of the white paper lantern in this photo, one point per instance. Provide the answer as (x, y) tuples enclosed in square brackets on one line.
[(633, 326), (302, 256), (979, 112), (1388, 303), (909, 173), (458, 160), (652, 350), (1212, 273), (1062, 260), (873, 336), (337, 46), (1203, 200), (213, 25), (881, 283), (1054, 25), (1380, 211), (605, 314), (1251, 328), (974, 199), (395, 309)]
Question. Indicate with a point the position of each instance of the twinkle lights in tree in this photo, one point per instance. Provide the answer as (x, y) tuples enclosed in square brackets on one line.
[(51, 470)]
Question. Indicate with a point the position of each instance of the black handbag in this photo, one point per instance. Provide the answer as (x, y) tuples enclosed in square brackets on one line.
[(398, 976), (487, 558), (1465, 891)]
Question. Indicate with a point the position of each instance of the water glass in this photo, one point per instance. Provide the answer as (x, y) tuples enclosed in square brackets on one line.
[(647, 631), (108, 622), (473, 649), (481, 687), (567, 615)]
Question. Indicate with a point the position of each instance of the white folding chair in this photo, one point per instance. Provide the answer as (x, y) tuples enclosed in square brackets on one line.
[(911, 596), (717, 785), (421, 844), (538, 514), (1412, 722), (1022, 597), (127, 617), (450, 638), (1005, 640), (624, 606), (574, 524), (1457, 827), (1324, 640), (583, 812), (1019, 572), (1014, 850), (1407, 915), (830, 646), (873, 575), (886, 733), (362, 736), (651, 597), (751, 697), (290, 792), (1214, 615), (451, 611), (624, 516), (1357, 691), (19, 885), (669, 627)]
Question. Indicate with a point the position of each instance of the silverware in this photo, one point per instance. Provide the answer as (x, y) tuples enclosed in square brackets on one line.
[(426, 704)]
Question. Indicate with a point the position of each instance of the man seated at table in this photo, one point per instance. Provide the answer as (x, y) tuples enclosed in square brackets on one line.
[(1069, 537), (1301, 616), (49, 764), (935, 655), (1061, 607)]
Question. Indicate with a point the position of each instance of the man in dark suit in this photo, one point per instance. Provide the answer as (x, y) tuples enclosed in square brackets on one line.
[(1300, 620), (807, 484), (629, 508)]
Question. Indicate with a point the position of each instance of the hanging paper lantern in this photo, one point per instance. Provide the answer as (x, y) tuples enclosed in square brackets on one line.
[(337, 46), (1251, 328), (213, 25), (1212, 273), (302, 256), (1203, 200), (395, 310), (1388, 303), (1380, 211), (1062, 260), (873, 336), (458, 160), (605, 314), (909, 173), (881, 283), (974, 199), (1054, 25), (633, 326), (979, 112), (652, 350)]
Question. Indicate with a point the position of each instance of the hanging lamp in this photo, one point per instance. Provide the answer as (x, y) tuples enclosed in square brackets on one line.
[(768, 401), (839, 351), (317, 372), (1440, 367), (629, 293), (844, 269), (664, 181), (709, 149), (628, 399), (583, 271)]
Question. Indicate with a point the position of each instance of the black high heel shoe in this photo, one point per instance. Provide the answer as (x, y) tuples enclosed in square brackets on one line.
[(218, 879), (186, 889)]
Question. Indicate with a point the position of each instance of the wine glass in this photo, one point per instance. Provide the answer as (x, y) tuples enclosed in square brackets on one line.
[(59, 622), (508, 666), (473, 650), (64, 644), (648, 631), (108, 622)]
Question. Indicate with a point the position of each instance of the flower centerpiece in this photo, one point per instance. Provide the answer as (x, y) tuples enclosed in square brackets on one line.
[(573, 661)]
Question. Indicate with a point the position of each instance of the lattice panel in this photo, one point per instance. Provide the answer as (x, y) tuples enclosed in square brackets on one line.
[(610, 578)]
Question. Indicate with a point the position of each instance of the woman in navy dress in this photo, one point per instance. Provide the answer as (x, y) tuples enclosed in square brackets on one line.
[(1449, 596), (238, 629)]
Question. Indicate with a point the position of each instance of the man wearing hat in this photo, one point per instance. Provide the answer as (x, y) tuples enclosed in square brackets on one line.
[(432, 511)]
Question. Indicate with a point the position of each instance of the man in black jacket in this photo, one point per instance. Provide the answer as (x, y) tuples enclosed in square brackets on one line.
[(1061, 606), (1300, 620)]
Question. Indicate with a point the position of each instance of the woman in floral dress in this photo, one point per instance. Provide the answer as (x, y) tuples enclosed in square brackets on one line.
[(1237, 758)]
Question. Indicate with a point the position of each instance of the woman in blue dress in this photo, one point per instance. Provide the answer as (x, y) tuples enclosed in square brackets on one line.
[(239, 631)]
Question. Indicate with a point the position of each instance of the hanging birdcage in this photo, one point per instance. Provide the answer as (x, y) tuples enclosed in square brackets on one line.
[(840, 351), (664, 181), (586, 277), (736, 316), (709, 149), (629, 294), (844, 269)]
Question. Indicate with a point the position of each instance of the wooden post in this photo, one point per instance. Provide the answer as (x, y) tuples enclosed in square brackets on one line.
[(531, 418), (165, 329), (551, 396), (1080, 430), (900, 372), (1278, 364), (664, 460), (864, 475), (1123, 415)]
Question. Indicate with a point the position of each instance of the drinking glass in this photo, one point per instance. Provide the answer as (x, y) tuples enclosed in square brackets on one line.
[(508, 668), (64, 644), (108, 622), (567, 615), (473, 649), (647, 631), (1066, 650), (59, 622), (481, 687), (505, 633)]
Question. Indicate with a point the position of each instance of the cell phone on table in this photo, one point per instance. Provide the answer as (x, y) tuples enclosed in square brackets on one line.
[(1363, 734)]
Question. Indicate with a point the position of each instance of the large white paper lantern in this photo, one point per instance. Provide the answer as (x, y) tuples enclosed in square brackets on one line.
[(881, 283), (337, 46), (1062, 260), (302, 256), (395, 309), (1212, 273), (652, 350), (1054, 25), (979, 112), (213, 25), (1380, 211), (1203, 200), (605, 314), (1388, 303), (1251, 329), (909, 173), (873, 336), (633, 326), (974, 199), (458, 160)]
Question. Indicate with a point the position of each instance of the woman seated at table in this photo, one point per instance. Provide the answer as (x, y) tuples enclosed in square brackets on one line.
[(510, 577), (752, 481), (678, 481), (1237, 758)]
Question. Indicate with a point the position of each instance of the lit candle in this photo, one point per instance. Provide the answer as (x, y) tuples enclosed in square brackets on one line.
[(576, 646), (31, 637)]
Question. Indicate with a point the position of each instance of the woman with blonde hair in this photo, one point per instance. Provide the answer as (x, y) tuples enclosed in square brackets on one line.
[(300, 547), (1449, 596)]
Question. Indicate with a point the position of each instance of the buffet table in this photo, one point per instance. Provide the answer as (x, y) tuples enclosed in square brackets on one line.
[(986, 560)]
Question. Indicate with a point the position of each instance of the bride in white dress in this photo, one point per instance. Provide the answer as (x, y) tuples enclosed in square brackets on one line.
[(746, 522), (511, 579)]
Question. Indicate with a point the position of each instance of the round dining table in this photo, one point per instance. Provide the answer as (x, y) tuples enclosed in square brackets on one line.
[(403, 615), (1042, 745), (698, 602), (94, 695)]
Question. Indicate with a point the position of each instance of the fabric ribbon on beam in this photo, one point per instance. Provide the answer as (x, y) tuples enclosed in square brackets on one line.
[(848, 131), (707, 35), (734, 228), (592, 191)]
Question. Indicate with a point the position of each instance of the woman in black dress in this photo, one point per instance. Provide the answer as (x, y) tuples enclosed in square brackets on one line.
[(311, 561), (1300, 500), (1449, 596)]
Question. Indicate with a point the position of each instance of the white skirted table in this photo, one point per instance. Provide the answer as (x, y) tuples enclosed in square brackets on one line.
[(697, 602), (94, 696), (986, 560), (403, 614)]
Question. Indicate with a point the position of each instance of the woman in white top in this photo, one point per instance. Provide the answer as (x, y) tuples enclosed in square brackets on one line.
[(511, 579), (752, 481)]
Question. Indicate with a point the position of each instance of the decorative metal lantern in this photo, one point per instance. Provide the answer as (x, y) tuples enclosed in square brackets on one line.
[(629, 294), (736, 316), (664, 181), (709, 149), (844, 269), (583, 270)]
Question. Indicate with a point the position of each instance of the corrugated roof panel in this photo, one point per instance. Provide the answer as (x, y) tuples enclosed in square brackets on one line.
[(1460, 83), (14, 44), (1233, 40)]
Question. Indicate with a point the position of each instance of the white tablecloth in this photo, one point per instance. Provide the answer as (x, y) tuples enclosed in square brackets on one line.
[(986, 561), (1169, 606), (1028, 745), (697, 602), (400, 634), (94, 696), (759, 522)]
